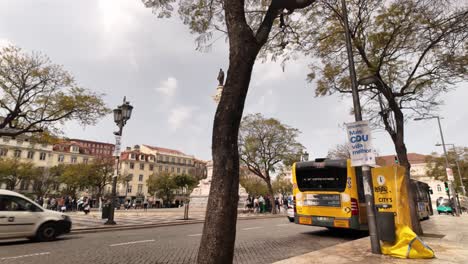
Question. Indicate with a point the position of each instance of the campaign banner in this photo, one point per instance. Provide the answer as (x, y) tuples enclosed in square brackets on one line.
[(360, 144)]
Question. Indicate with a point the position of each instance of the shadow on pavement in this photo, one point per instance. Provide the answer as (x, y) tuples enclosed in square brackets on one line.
[(339, 233)]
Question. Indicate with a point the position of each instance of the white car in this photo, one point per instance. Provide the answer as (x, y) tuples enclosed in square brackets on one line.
[(290, 210), (21, 217)]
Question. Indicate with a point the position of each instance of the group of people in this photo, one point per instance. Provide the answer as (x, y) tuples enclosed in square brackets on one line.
[(260, 204), (132, 204), (65, 203)]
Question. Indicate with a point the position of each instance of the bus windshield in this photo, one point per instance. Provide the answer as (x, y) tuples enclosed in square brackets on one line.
[(327, 178)]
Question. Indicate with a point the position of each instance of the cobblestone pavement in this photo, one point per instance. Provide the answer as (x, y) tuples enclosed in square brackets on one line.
[(258, 241), (140, 217)]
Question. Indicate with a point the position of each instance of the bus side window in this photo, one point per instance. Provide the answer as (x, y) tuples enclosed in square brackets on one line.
[(360, 186)]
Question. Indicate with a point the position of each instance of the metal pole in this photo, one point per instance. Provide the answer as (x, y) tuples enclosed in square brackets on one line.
[(447, 166), (366, 173), (458, 168), (110, 219)]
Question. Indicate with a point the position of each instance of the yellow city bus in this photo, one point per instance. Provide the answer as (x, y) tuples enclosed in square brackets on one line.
[(330, 193)]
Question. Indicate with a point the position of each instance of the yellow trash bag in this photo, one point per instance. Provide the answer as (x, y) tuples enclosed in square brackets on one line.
[(407, 245)]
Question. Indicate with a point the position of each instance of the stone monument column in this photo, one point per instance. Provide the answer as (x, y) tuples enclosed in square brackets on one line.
[(199, 195)]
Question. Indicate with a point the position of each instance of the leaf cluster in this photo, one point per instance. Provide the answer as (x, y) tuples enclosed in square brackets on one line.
[(37, 95)]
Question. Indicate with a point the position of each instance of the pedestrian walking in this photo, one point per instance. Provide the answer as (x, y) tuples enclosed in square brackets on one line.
[(261, 204), (86, 207), (277, 204), (145, 205), (256, 205)]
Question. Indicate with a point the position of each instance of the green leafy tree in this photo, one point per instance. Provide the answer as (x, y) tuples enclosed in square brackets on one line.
[(43, 181), (37, 95), (252, 183), (247, 24), (13, 171), (407, 53), (185, 181), (265, 144), (163, 186), (282, 185), (100, 175), (435, 166), (74, 176)]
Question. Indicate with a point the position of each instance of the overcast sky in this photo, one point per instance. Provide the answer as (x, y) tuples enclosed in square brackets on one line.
[(120, 48)]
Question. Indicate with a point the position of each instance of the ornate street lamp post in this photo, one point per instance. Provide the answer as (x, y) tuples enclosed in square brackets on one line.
[(121, 115)]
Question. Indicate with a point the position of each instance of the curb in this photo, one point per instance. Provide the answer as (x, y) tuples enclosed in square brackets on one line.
[(130, 227)]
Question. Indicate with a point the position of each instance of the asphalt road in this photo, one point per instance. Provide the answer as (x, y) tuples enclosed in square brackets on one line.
[(258, 241)]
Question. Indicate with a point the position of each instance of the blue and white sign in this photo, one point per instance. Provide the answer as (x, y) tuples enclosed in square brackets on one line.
[(360, 144)]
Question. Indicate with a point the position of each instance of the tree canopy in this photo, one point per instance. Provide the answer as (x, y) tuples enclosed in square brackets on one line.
[(162, 185), (37, 95), (265, 145), (13, 171), (340, 151), (435, 166)]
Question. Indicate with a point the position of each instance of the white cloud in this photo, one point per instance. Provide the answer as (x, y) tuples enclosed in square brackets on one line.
[(180, 116), (168, 87)]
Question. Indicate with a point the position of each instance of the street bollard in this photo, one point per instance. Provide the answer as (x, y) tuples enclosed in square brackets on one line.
[(186, 209)]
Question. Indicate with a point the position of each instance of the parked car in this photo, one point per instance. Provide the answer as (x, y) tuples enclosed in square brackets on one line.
[(444, 206), (22, 217), (290, 208)]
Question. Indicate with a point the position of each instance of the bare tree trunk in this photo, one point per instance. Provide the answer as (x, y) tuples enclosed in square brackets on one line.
[(219, 231), (272, 196)]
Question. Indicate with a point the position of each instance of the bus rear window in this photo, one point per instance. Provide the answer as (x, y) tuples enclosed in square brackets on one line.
[(321, 179)]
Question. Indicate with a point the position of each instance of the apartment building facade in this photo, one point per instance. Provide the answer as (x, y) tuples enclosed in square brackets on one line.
[(141, 162), (41, 155)]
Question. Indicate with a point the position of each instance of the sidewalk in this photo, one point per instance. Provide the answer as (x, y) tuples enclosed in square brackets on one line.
[(151, 217), (446, 235)]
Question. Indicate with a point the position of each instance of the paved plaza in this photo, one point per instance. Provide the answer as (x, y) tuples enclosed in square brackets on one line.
[(128, 218), (258, 241)]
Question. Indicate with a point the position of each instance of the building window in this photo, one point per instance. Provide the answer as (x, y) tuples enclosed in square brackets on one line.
[(173, 160), (61, 158), (73, 159), (132, 156), (30, 154), (166, 169), (132, 165), (129, 188), (140, 178), (151, 167), (439, 189), (3, 152), (42, 156), (160, 168), (140, 188), (85, 160), (6, 139), (17, 153), (167, 158), (142, 166), (178, 170), (75, 149), (183, 170), (172, 169)]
